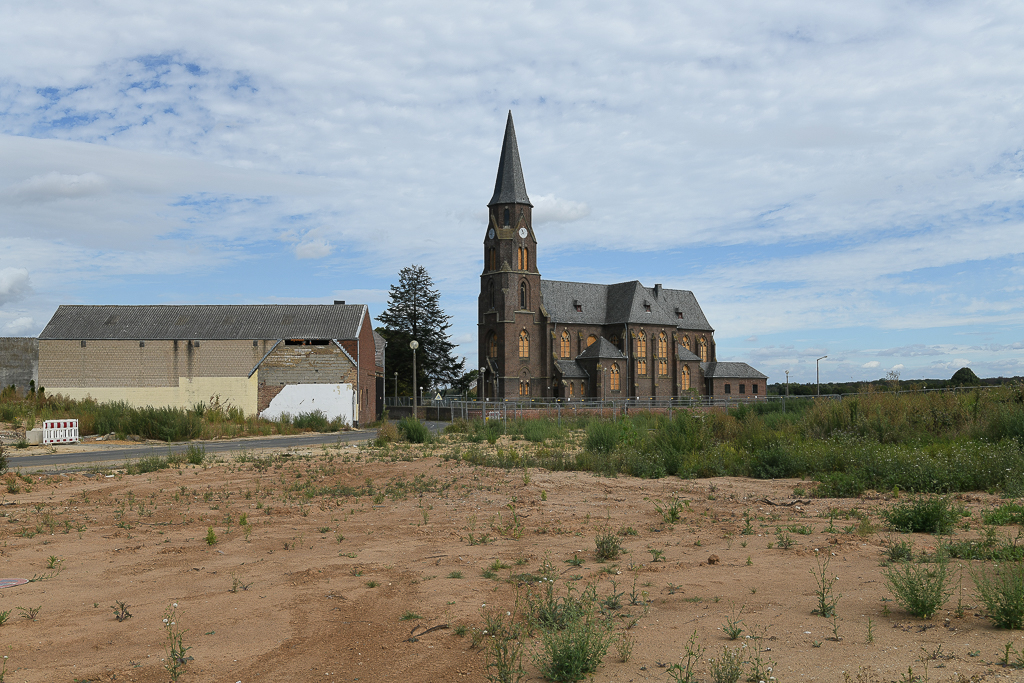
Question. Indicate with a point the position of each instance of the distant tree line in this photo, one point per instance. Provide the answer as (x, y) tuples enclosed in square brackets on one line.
[(964, 377)]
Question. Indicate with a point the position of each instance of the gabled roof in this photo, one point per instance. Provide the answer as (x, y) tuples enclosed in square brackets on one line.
[(682, 353), (730, 371), (570, 370), (602, 348), (337, 321), (584, 303), (509, 186)]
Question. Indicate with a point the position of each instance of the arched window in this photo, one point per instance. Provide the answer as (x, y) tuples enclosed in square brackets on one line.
[(524, 258), (492, 345), (686, 342), (490, 293), (614, 377), (572, 389), (524, 344), (641, 344), (702, 349), (564, 349), (524, 386), (492, 259), (522, 296), (506, 217), (662, 367), (590, 340), (641, 367), (662, 345), (684, 378), (583, 388), (615, 341)]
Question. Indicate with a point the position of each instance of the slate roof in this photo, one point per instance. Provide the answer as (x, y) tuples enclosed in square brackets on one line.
[(602, 348), (509, 186), (337, 321), (730, 371), (683, 354), (570, 369), (622, 303)]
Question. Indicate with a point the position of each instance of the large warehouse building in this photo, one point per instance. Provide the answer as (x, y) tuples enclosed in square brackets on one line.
[(264, 359)]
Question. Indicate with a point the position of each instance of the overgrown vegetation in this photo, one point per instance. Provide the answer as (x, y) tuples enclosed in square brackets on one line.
[(934, 442), (201, 421)]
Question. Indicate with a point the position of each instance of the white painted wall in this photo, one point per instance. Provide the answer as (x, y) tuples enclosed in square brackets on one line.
[(333, 399)]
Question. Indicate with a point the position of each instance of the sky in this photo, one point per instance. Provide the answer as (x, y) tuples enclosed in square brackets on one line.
[(841, 179)]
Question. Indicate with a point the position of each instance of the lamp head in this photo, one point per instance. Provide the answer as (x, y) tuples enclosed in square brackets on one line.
[(414, 345)]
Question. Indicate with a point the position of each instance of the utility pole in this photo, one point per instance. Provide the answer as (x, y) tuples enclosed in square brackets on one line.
[(817, 374), (414, 345)]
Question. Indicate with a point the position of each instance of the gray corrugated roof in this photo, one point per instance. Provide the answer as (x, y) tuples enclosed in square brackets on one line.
[(730, 371), (205, 322), (683, 354), (602, 348), (620, 304), (509, 186), (570, 370)]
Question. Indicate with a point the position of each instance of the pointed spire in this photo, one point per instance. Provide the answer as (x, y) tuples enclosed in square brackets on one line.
[(509, 187)]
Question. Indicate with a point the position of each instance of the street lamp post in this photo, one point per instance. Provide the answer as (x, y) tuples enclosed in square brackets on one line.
[(787, 392), (414, 345), (396, 389), (817, 373)]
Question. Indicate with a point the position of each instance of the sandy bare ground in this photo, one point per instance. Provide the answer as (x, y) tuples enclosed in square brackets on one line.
[(315, 586)]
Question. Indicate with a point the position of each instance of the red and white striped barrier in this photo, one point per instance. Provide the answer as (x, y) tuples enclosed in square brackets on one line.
[(60, 431)]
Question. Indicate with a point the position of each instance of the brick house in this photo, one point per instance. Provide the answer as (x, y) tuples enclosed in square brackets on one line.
[(256, 358), (549, 338)]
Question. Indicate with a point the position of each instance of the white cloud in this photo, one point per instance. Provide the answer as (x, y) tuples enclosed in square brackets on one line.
[(19, 326), (53, 186), (312, 247), (14, 284), (550, 209), (871, 364), (897, 367)]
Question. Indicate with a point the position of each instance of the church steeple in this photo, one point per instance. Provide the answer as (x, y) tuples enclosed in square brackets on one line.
[(509, 186)]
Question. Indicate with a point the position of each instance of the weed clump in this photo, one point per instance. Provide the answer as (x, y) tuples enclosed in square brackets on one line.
[(921, 589), (1001, 589), (414, 431), (924, 515)]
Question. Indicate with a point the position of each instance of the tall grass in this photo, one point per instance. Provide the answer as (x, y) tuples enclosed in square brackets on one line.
[(938, 442), (201, 421)]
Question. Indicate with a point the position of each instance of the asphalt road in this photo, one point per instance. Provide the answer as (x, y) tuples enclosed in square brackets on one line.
[(67, 460)]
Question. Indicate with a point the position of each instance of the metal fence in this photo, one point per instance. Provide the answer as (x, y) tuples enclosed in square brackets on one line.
[(453, 408)]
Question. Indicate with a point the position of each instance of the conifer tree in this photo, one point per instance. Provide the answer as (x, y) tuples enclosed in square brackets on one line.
[(414, 312)]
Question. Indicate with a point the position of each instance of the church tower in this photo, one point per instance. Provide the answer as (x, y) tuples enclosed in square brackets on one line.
[(512, 346)]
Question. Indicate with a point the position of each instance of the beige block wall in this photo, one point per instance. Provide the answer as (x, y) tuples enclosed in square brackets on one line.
[(230, 391), (124, 363)]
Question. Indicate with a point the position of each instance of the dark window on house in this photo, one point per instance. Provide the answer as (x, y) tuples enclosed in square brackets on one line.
[(506, 217), (522, 296), (728, 388), (679, 314), (753, 389), (83, 343), (142, 344), (743, 388), (490, 293), (647, 307)]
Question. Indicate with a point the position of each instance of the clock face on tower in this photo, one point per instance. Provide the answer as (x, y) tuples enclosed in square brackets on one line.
[(522, 232), (490, 233)]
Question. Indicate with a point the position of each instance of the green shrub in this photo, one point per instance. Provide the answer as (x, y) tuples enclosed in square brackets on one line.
[(195, 454), (576, 647), (540, 430), (1001, 588), (1007, 513), (414, 431), (603, 436), (608, 547), (921, 589), (924, 515), (315, 421), (386, 433)]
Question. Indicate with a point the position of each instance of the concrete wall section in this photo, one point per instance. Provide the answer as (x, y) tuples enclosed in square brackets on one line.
[(19, 361), (334, 400), (229, 391)]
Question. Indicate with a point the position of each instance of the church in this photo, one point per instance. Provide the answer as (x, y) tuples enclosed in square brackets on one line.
[(576, 340)]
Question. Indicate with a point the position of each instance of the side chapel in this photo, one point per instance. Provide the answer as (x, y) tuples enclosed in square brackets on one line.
[(574, 340)]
